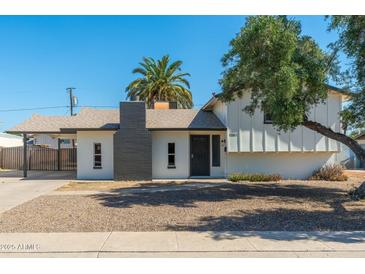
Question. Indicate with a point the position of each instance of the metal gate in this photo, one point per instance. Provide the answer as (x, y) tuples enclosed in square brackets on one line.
[(39, 158)]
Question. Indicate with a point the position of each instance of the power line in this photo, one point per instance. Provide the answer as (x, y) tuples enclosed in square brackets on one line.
[(26, 109), (53, 107), (96, 106), (58, 107)]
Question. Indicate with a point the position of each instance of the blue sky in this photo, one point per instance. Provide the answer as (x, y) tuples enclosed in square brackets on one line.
[(40, 56)]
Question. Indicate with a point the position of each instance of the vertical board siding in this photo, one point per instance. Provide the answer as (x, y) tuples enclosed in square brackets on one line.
[(39, 158), (233, 125), (249, 133)]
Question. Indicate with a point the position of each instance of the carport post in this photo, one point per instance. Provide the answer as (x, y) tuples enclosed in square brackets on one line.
[(25, 160), (58, 154)]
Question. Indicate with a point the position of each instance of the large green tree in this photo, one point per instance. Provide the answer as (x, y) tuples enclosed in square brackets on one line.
[(285, 71), (161, 80), (351, 42)]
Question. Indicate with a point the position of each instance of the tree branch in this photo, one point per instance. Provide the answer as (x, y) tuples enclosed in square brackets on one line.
[(340, 137)]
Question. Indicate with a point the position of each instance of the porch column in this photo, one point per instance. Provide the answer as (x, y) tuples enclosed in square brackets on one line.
[(25, 160)]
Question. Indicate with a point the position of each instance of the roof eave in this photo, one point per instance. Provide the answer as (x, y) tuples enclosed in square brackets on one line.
[(31, 132), (187, 129), (74, 130), (211, 102)]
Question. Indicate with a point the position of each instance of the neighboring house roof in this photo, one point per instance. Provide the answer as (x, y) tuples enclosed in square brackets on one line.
[(9, 140), (360, 137), (10, 136), (101, 119)]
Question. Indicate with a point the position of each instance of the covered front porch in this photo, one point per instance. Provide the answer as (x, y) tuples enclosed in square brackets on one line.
[(188, 154)]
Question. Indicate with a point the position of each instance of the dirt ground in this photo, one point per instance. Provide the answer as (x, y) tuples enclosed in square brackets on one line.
[(284, 205)]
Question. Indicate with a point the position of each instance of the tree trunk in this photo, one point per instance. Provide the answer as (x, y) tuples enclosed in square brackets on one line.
[(359, 193), (342, 138)]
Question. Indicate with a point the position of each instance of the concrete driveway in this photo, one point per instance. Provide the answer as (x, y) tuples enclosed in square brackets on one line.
[(16, 190)]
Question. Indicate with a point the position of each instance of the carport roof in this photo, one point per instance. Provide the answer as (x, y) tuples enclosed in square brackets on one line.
[(87, 119), (108, 119)]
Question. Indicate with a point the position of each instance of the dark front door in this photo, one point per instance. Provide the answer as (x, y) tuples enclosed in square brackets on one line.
[(199, 155)]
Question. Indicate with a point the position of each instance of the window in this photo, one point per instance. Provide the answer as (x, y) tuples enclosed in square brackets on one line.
[(66, 141), (216, 150), (267, 118), (171, 155), (97, 156)]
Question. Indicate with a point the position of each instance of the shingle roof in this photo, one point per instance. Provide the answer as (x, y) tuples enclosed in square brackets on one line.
[(182, 119), (87, 119), (108, 119), (360, 137)]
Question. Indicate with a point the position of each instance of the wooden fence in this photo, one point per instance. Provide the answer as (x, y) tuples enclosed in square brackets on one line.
[(39, 158)]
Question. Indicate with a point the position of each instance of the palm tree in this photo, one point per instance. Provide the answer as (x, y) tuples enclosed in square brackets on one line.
[(162, 81)]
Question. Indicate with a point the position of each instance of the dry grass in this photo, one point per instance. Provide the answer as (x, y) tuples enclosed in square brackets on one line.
[(97, 185), (285, 205), (113, 185)]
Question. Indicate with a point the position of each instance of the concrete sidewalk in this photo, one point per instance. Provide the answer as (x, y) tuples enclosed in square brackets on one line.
[(184, 244)]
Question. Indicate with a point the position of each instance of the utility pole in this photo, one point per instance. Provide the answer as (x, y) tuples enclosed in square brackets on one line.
[(72, 105), (70, 90)]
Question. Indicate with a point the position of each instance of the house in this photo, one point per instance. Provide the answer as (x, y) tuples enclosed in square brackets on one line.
[(135, 143), (356, 163), (10, 140), (46, 140), (361, 140)]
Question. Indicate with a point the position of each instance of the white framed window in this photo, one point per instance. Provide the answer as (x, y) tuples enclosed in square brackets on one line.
[(267, 118), (216, 150), (97, 156), (171, 155)]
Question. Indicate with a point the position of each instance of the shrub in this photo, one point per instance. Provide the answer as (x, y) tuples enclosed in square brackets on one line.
[(358, 193), (332, 172), (256, 177)]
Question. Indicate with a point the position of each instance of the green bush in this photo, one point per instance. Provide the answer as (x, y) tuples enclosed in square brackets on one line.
[(255, 177), (332, 172)]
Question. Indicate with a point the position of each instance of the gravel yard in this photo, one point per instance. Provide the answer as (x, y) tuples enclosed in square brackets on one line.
[(284, 205)]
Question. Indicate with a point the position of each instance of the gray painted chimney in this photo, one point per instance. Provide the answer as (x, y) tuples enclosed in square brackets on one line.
[(132, 144)]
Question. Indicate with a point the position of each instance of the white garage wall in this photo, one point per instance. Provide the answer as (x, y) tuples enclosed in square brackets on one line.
[(85, 154), (293, 165), (160, 140)]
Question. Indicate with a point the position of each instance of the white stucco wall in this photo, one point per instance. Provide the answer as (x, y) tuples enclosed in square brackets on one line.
[(249, 133), (294, 165), (220, 110), (85, 154), (160, 140)]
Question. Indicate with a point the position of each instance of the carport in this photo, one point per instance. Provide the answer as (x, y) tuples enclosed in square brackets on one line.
[(43, 158), (46, 159), (61, 127)]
